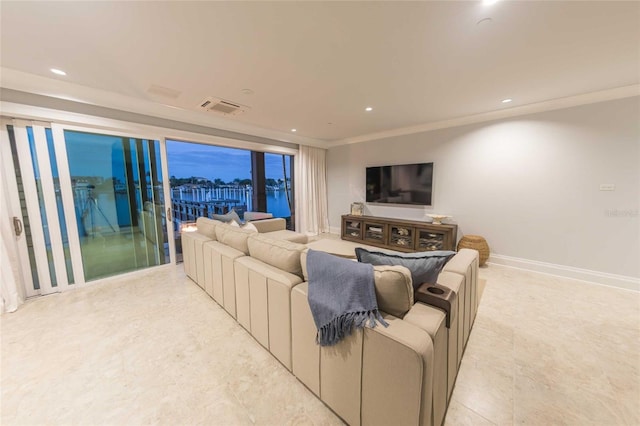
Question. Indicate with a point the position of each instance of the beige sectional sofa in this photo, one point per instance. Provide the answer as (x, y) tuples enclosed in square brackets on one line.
[(403, 374)]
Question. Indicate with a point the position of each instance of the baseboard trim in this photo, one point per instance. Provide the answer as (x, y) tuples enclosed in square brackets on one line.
[(594, 277), (334, 230)]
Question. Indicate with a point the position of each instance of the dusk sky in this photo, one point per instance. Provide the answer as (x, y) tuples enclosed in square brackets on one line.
[(94, 154), (192, 159)]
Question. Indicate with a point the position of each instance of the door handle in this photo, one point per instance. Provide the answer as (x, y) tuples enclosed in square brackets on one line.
[(17, 226), (169, 218)]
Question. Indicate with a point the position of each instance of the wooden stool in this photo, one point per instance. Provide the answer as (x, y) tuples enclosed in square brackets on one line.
[(475, 242)]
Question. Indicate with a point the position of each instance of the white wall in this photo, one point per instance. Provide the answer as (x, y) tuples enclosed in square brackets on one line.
[(529, 185)]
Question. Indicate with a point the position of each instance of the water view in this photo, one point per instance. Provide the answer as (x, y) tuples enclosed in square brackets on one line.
[(208, 179), (233, 197)]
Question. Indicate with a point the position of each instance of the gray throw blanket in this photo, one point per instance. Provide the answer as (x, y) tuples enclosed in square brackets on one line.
[(341, 296)]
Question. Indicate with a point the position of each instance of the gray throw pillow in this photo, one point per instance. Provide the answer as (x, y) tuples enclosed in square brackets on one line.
[(226, 218), (424, 266)]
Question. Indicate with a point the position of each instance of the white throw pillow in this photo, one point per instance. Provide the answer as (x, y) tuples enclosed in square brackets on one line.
[(234, 224), (250, 227)]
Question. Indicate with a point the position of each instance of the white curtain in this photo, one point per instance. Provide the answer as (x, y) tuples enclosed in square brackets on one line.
[(311, 191), (11, 298)]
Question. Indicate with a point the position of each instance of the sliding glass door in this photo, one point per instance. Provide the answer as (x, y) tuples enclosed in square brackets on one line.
[(87, 205), (30, 162), (118, 200)]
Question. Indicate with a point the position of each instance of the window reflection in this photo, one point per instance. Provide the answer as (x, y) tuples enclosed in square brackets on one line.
[(118, 202)]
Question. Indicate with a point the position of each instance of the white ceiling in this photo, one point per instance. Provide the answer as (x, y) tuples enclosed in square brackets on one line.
[(315, 66)]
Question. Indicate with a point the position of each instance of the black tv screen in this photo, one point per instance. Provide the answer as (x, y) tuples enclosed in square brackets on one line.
[(400, 184)]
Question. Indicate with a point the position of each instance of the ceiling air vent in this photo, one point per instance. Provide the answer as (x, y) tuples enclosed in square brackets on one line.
[(222, 107)]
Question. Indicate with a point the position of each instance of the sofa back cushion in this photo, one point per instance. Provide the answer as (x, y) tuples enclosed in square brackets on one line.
[(303, 263), (207, 227), (394, 291), (281, 254), (233, 237), (424, 266), (270, 225)]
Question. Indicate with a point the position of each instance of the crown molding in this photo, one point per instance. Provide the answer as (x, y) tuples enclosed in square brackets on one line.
[(554, 104), (56, 88)]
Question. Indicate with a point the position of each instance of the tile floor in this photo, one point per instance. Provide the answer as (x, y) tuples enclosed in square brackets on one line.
[(155, 349)]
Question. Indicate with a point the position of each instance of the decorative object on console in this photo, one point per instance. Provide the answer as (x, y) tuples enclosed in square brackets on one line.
[(424, 266), (476, 242), (403, 231), (437, 218), (357, 209)]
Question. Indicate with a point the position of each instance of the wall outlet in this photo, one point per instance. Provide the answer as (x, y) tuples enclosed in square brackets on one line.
[(607, 187)]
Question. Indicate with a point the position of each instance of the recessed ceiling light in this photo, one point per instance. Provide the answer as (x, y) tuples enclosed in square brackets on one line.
[(294, 130), (247, 92), (57, 71), (368, 109), (489, 2), (506, 101)]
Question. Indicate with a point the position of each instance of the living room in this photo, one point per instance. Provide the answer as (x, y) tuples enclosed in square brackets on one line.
[(537, 152)]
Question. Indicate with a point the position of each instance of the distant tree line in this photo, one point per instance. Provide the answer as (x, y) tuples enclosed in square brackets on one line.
[(217, 182)]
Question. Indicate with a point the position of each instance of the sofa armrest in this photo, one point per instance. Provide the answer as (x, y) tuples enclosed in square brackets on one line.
[(270, 225), (397, 375)]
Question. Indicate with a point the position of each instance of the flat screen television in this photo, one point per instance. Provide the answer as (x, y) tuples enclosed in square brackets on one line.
[(400, 184)]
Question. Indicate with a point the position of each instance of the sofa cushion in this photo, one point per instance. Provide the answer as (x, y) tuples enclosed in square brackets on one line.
[(226, 218), (424, 266), (270, 225), (282, 254), (250, 227), (207, 227), (287, 235), (233, 237), (393, 289), (303, 263)]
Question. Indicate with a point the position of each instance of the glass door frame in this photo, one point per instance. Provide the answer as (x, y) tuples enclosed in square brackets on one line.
[(15, 208), (125, 133), (32, 202)]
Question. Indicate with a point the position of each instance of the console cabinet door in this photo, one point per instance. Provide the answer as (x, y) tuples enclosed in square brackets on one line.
[(375, 232), (351, 229), (401, 237), (429, 240)]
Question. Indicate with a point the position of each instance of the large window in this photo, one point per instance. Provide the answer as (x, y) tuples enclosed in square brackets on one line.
[(96, 204), (208, 179)]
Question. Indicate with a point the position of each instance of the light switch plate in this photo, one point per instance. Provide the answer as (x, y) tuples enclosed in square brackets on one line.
[(607, 187)]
